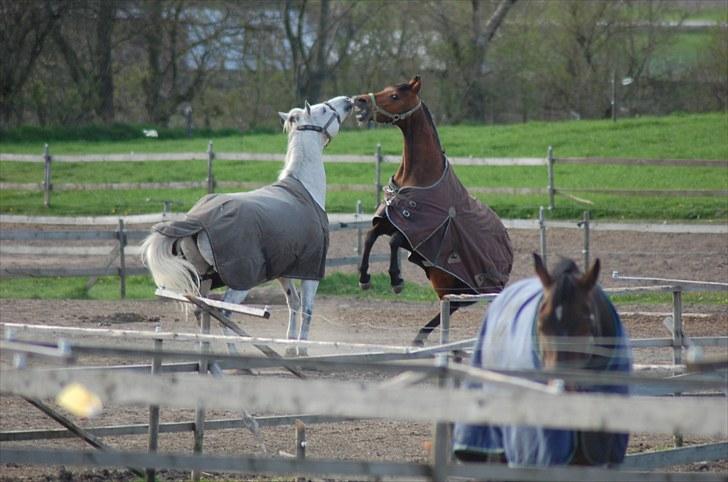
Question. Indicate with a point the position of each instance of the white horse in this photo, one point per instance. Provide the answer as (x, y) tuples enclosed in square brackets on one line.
[(283, 234)]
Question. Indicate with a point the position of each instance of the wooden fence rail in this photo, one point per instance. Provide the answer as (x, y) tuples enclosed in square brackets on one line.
[(210, 183)]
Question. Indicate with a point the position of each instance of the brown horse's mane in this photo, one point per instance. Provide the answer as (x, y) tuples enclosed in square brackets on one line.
[(429, 118)]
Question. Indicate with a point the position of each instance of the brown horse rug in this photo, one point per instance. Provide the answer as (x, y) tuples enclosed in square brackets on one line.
[(452, 231), (278, 230)]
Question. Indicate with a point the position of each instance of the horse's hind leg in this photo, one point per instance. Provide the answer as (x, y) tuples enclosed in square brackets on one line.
[(396, 241), (235, 297), (294, 306), (308, 293)]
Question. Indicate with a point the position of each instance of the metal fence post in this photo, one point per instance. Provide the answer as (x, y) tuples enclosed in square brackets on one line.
[(210, 176), (444, 321), (300, 444), (551, 187), (200, 410), (542, 233), (359, 212), (585, 251), (378, 175), (677, 341), (121, 235), (153, 443), (441, 432), (47, 185)]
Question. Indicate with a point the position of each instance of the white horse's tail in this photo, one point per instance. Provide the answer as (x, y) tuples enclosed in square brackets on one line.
[(169, 271)]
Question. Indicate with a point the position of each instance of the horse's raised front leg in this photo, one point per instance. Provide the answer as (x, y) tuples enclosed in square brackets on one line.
[(397, 241), (293, 301), (371, 238), (308, 294)]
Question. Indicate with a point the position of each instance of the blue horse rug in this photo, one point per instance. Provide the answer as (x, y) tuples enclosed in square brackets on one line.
[(508, 339)]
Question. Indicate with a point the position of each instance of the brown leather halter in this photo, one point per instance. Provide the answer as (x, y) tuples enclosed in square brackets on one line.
[(394, 117)]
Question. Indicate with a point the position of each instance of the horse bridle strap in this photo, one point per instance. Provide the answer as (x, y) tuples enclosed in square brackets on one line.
[(325, 129), (394, 117)]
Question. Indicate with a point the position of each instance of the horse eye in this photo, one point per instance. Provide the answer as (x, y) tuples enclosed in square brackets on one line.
[(394, 96)]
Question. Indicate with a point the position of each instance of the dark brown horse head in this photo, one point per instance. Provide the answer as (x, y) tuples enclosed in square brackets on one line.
[(567, 316), (391, 104)]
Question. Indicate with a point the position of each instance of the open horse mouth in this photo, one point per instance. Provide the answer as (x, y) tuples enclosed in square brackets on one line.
[(362, 111)]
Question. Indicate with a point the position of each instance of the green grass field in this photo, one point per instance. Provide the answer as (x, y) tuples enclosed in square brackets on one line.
[(702, 136), (674, 137)]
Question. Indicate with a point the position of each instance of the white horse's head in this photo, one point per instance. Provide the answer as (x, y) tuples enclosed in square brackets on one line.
[(324, 119)]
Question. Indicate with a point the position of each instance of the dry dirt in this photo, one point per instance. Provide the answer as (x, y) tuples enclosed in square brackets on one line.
[(683, 256)]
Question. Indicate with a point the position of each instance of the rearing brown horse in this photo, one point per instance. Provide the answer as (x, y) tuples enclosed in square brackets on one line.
[(459, 242)]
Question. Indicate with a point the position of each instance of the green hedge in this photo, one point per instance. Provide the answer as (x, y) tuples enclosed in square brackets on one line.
[(111, 132)]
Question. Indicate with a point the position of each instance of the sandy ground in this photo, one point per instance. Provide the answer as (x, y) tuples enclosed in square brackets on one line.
[(697, 257)]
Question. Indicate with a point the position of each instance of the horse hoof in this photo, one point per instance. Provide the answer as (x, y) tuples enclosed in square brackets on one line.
[(365, 286), (397, 289), (418, 343), (291, 352)]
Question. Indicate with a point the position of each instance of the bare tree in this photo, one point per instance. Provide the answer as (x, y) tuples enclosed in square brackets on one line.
[(311, 39), (181, 46), (468, 40), (88, 53), (24, 28)]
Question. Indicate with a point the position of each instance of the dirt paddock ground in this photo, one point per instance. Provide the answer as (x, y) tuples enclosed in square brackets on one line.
[(682, 256)]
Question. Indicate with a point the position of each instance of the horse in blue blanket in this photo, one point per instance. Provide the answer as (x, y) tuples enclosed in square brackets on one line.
[(547, 322)]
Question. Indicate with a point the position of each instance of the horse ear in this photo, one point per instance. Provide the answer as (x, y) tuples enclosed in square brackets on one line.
[(541, 271), (589, 280), (308, 108), (283, 117), (415, 84)]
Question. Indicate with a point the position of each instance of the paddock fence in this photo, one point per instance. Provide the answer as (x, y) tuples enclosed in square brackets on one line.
[(114, 258), (400, 397), (47, 187)]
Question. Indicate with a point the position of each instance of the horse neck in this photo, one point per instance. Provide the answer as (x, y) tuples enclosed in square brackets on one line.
[(422, 158), (304, 162)]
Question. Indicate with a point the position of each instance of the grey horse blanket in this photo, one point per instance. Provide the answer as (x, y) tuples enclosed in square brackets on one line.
[(278, 230), (452, 231), (508, 340)]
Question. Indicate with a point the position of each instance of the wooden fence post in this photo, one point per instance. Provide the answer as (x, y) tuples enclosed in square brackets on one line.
[(47, 184), (551, 187), (542, 233), (210, 175), (154, 409), (200, 410), (378, 175), (121, 236)]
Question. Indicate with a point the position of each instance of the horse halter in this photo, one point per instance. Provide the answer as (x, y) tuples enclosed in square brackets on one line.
[(394, 117), (325, 129)]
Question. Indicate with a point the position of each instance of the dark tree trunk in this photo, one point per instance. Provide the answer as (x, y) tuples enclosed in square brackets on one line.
[(104, 61)]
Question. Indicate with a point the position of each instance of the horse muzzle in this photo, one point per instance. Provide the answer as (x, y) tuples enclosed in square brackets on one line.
[(362, 109)]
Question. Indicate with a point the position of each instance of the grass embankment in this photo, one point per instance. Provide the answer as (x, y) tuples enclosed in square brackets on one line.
[(674, 137)]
